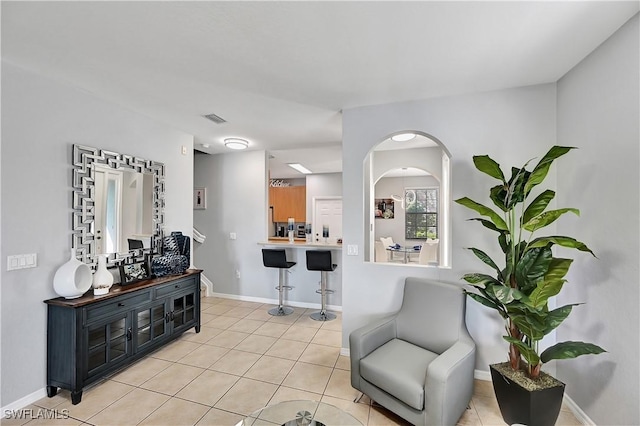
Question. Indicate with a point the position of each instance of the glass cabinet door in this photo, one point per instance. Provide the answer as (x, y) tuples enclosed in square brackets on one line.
[(150, 324), (183, 310), (107, 342)]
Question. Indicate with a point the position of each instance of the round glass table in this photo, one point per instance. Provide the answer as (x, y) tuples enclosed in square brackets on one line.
[(300, 413)]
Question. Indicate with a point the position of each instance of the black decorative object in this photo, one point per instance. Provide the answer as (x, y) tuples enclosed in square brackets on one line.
[(528, 407), (175, 259)]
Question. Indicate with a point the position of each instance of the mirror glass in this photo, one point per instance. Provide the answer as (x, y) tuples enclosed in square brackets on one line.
[(118, 205), (123, 210), (407, 202)]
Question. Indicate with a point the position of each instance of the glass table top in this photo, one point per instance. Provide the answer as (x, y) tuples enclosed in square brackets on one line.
[(300, 413)]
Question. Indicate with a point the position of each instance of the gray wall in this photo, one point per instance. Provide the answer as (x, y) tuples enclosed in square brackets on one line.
[(598, 110), (237, 194), (41, 119), (511, 125)]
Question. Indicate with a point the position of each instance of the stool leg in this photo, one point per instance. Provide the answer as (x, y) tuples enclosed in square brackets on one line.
[(281, 310), (323, 315)]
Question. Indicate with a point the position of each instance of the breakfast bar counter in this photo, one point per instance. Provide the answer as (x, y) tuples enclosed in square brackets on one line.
[(300, 244)]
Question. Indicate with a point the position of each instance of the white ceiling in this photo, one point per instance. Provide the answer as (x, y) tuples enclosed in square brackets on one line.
[(281, 72)]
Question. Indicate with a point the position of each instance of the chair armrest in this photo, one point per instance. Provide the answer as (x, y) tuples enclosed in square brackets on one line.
[(449, 383), (365, 340)]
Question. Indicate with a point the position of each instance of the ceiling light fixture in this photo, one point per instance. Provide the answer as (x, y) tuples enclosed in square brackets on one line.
[(299, 167), (403, 137), (236, 143)]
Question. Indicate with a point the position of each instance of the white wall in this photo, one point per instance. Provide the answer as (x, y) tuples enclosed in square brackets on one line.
[(41, 119), (510, 125), (427, 159), (237, 194), (598, 112)]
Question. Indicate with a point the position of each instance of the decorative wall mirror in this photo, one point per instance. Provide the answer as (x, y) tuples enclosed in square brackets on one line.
[(407, 198), (118, 205)]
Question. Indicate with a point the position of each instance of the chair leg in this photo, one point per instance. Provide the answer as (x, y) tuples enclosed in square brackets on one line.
[(359, 397), (323, 315), (281, 310)]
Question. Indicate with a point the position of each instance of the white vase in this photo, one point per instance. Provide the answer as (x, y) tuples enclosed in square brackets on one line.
[(102, 279), (73, 278)]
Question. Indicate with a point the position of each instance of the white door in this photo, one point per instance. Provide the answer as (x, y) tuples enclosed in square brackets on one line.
[(108, 187), (327, 215)]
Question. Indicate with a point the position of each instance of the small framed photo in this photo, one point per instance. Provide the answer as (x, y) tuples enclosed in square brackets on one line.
[(200, 198), (133, 272)]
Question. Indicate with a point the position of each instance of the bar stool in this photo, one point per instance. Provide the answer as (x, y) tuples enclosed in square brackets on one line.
[(320, 260), (277, 258)]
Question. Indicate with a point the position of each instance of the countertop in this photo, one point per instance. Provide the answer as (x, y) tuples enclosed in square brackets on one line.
[(299, 244)]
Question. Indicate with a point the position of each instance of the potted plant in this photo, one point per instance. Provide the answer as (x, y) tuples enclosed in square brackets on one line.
[(521, 289)]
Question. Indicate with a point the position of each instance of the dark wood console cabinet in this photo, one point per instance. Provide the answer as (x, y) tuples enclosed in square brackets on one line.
[(92, 336)]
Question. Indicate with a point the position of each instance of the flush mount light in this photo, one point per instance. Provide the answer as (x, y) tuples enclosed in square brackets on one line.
[(403, 137), (236, 143), (299, 167)]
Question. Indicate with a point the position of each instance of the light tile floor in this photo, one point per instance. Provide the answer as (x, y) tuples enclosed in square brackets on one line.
[(242, 360)]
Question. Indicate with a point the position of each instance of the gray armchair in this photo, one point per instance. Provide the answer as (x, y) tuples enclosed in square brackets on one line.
[(419, 362)]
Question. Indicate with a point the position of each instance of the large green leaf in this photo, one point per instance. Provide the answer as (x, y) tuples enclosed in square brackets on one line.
[(531, 325), (554, 318), (486, 302), (544, 219), (506, 294), (544, 290), (542, 168), (485, 164), (484, 211), (508, 195), (488, 224), (538, 205), (480, 280), (558, 268), (532, 267), (561, 241), (527, 353), (485, 258), (568, 350)]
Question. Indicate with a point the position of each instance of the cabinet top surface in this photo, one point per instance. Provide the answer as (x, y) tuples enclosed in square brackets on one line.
[(118, 290)]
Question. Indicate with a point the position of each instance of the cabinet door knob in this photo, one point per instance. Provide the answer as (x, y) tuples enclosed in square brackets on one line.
[(120, 304), (129, 333)]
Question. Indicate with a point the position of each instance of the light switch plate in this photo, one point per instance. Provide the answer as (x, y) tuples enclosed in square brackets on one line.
[(22, 261), (352, 250)]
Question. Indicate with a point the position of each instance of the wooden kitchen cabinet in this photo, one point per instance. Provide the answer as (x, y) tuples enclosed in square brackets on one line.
[(288, 201)]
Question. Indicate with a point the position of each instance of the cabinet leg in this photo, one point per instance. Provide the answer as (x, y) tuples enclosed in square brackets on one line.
[(198, 328), (52, 391), (76, 397)]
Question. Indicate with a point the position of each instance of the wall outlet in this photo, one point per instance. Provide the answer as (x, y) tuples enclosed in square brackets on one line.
[(237, 273), (352, 250), (184, 150), (232, 235)]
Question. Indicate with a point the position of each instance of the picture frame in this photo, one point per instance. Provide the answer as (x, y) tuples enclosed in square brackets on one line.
[(199, 198), (133, 272), (384, 208)]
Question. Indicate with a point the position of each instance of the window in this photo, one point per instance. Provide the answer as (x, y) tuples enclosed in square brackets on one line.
[(421, 213)]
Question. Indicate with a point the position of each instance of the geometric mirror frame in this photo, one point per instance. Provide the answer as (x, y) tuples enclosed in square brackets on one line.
[(84, 160)]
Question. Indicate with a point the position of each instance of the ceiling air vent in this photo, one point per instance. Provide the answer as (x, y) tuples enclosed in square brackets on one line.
[(215, 118)]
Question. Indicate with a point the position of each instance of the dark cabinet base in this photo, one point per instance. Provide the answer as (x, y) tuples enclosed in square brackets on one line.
[(90, 337)]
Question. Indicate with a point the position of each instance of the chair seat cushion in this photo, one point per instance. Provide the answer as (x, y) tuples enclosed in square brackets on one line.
[(399, 368)]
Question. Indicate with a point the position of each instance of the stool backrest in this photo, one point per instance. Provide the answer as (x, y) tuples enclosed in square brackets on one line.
[(319, 260), (274, 258)]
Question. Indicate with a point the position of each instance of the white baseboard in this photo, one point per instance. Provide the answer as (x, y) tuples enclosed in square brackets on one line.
[(345, 352), (208, 285), (482, 375), (274, 301), (22, 402)]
